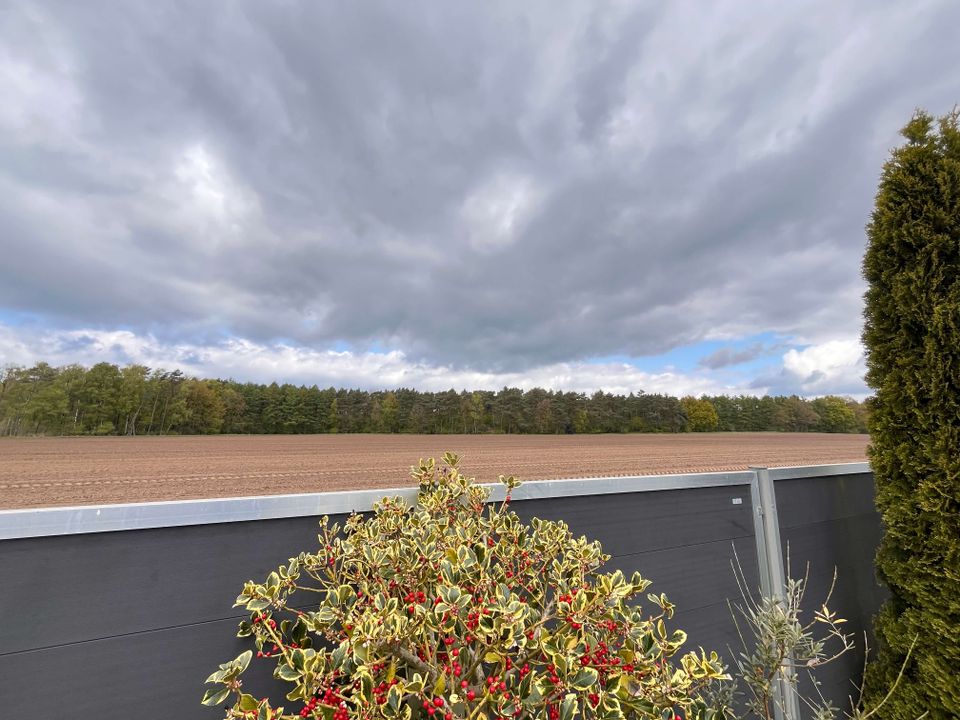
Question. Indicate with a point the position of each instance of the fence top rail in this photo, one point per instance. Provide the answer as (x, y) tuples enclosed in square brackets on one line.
[(810, 471), (81, 519)]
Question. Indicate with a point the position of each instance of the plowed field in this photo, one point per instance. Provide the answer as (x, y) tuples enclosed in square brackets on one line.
[(78, 471)]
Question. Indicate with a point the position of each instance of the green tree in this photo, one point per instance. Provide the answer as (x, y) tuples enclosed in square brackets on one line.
[(581, 421), (476, 411), (861, 411), (701, 415), (509, 406), (292, 410), (100, 395), (131, 397), (234, 410), (202, 409), (390, 413), (48, 409), (835, 415), (333, 416), (794, 414), (912, 337)]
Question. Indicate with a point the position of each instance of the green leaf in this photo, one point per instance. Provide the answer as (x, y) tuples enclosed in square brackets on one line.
[(298, 657), (585, 679), (394, 696), (285, 672), (568, 708), (243, 660), (415, 685), (248, 702), (215, 696), (610, 709), (339, 655), (531, 692)]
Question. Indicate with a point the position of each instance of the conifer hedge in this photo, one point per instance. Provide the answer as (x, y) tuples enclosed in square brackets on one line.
[(912, 337)]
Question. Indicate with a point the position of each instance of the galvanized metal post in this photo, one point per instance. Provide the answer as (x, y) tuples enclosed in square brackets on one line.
[(773, 579)]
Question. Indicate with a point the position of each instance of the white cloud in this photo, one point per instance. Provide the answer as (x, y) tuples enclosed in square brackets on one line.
[(204, 202), (498, 211), (245, 360), (42, 103), (831, 367)]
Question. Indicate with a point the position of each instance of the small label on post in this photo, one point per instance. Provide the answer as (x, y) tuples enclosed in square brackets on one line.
[(737, 501)]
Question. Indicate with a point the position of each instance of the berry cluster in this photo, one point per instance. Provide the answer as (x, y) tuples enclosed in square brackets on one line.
[(380, 691), (452, 658), (328, 698), (435, 706), (257, 619)]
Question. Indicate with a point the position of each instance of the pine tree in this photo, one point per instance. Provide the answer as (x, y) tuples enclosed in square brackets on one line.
[(912, 336)]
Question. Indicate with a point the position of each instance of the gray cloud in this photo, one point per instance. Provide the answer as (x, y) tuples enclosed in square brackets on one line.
[(725, 357), (493, 187)]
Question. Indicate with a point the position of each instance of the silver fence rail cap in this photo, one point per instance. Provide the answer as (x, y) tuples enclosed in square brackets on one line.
[(81, 519)]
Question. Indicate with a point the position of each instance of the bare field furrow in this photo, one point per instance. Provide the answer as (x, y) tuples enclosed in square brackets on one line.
[(39, 472)]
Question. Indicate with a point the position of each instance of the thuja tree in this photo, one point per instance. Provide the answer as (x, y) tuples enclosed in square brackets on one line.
[(455, 609), (912, 336)]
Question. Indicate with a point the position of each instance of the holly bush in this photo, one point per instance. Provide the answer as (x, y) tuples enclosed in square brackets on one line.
[(454, 609)]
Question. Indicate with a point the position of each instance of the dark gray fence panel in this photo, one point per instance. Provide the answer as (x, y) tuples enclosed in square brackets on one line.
[(122, 619), (826, 523), (74, 588), (128, 624), (142, 676), (681, 540)]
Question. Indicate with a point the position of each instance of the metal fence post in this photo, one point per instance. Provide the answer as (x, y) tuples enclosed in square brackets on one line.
[(773, 580)]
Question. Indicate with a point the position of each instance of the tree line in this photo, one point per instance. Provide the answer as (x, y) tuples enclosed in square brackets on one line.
[(107, 399)]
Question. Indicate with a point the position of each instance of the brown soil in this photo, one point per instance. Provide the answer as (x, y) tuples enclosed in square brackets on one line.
[(78, 471)]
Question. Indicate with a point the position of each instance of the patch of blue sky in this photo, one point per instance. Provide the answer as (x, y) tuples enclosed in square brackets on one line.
[(18, 318), (689, 358), (358, 348), (341, 346), (337, 346)]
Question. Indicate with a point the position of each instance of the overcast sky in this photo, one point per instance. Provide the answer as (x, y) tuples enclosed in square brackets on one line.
[(621, 195)]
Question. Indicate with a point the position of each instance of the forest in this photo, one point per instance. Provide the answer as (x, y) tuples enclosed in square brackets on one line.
[(107, 399)]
